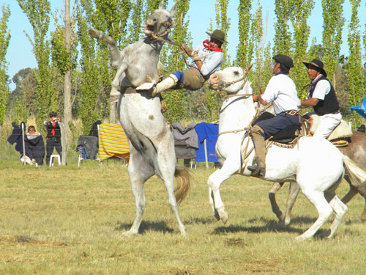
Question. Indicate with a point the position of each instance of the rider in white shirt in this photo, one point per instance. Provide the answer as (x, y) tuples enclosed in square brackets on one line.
[(281, 91)]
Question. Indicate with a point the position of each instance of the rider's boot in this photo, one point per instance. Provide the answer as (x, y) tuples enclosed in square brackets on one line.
[(258, 168), (165, 84)]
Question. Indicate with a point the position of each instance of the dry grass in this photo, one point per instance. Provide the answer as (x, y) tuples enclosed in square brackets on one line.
[(65, 220)]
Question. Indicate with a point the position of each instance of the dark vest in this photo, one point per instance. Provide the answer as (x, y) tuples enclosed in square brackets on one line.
[(329, 104), (57, 129)]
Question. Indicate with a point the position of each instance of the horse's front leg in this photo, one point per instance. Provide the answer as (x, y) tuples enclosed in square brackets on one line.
[(214, 181)]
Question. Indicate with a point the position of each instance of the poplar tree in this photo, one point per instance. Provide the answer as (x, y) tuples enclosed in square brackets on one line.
[(354, 68), (176, 100), (257, 49), (4, 44), (282, 37), (38, 13), (223, 23), (300, 12), (134, 27), (245, 17), (110, 17), (64, 55), (332, 35)]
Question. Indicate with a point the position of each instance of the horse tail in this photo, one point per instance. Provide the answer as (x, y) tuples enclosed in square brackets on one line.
[(183, 183), (356, 174)]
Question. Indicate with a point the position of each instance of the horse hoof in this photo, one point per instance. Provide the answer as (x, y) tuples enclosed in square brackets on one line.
[(302, 238), (216, 215), (286, 221), (128, 233), (223, 215)]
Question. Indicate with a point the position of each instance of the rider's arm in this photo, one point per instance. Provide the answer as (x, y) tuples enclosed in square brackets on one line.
[(309, 102), (257, 98)]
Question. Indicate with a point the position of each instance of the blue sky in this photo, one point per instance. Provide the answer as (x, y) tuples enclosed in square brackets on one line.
[(201, 13)]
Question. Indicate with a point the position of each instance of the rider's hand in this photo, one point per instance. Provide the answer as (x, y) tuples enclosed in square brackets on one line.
[(188, 51)]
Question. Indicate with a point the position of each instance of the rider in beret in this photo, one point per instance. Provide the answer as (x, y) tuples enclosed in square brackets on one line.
[(321, 96), (207, 58), (281, 91)]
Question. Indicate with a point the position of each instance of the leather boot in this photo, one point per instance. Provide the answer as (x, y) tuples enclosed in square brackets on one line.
[(258, 167), (165, 84)]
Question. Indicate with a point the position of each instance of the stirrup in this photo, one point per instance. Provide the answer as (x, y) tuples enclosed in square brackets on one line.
[(256, 169)]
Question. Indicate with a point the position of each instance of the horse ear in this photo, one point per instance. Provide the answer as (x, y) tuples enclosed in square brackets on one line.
[(172, 10), (162, 5)]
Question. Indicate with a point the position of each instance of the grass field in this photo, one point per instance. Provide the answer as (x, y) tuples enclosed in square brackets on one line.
[(69, 220)]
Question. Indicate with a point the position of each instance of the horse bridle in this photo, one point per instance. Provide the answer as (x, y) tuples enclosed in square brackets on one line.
[(223, 84)]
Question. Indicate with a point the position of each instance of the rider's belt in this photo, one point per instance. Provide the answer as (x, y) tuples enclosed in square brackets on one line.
[(292, 113)]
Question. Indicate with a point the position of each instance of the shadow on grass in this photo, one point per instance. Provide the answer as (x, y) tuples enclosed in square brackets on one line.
[(268, 226), (207, 220), (146, 226)]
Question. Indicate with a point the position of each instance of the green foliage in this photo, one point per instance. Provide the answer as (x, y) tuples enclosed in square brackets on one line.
[(354, 69), (300, 12), (4, 44), (88, 110), (136, 21), (174, 59), (245, 16), (109, 16), (332, 34), (282, 38), (257, 50), (63, 58), (223, 23), (38, 13)]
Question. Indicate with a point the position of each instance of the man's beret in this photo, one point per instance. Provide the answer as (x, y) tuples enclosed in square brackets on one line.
[(284, 60)]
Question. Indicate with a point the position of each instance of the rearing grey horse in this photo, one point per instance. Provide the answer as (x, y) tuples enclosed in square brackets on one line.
[(151, 141)]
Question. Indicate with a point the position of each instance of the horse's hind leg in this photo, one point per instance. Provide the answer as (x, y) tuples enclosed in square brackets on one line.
[(167, 163), (362, 190), (340, 210), (324, 210), (272, 198), (294, 190), (138, 172)]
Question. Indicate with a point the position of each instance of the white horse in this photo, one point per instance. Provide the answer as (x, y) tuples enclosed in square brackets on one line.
[(314, 163), (151, 141)]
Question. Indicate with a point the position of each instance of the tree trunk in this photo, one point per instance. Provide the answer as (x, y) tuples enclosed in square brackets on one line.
[(67, 135)]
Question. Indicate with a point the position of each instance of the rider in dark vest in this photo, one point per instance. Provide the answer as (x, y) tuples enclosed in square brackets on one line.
[(322, 97)]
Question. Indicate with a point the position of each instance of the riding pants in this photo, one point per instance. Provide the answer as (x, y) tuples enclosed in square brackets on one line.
[(327, 124)]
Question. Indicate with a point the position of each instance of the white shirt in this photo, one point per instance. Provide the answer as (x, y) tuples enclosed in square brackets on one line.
[(281, 90), (322, 88), (211, 60)]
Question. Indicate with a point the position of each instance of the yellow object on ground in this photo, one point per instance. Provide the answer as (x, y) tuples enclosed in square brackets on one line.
[(113, 142)]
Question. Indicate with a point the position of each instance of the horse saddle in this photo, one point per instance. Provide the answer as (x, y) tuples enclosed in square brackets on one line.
[(285, 136), (339, 137)]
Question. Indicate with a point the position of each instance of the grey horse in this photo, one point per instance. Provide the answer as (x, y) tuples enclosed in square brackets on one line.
[(151, 141)]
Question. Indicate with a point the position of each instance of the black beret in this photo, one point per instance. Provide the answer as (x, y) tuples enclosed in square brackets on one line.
[(284, 60)]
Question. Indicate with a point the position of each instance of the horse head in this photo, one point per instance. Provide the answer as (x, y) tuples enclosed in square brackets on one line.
[(231, 79), (160, 22)]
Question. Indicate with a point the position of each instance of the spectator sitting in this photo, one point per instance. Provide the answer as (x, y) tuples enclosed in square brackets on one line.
[(31, 133), (34, 145)]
